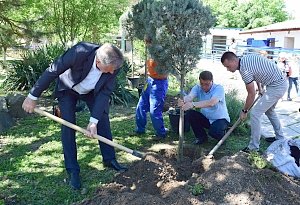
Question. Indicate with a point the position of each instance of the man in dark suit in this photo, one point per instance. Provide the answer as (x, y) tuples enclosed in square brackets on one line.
[(84, 72)]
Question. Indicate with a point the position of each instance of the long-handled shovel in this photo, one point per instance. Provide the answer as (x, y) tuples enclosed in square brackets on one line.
[(210, 154), (84, 131)]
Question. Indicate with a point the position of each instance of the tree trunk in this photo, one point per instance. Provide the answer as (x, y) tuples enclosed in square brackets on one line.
[(146, 53), (181, 121), (132, 65), (4, 57)]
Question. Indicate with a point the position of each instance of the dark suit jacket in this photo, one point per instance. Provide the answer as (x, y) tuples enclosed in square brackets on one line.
[(79, 59)]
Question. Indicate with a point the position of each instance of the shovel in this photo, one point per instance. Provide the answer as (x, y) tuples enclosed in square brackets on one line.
[(210, 154), (84, 131)]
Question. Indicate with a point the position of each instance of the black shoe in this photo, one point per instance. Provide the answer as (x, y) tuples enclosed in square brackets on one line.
[(74, 180), (139, 132), (199, 142), (289, 99), (247, 150), (136, 133), (159, 138), (162, 136), (270, 139), (115, 165)]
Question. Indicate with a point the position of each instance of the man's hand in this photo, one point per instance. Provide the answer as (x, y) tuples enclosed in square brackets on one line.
[(180, 102), (243, 115), (261, 91), (29, 105), (187, 106), (92, 128)]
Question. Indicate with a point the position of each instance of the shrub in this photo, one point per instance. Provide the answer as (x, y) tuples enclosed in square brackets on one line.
[(22, 74), (121, 95), (234, 106)]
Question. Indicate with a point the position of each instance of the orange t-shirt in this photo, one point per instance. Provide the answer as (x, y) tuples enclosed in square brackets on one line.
[(151, 64)]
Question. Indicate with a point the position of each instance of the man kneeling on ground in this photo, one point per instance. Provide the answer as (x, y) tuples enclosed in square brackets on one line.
[(213, 114)]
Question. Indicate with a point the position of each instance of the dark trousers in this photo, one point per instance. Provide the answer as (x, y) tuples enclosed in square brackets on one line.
[(199, 122), (67, 104)]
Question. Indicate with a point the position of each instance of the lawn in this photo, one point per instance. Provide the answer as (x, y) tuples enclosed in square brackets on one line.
[(32, 169)]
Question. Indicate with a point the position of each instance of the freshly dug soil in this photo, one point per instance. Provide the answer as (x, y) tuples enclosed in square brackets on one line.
[(161, 179)]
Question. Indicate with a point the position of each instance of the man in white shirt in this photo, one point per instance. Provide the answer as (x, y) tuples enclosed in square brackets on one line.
[(84, 72)]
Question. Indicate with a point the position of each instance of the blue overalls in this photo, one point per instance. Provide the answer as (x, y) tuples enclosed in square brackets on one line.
[(152, 100)]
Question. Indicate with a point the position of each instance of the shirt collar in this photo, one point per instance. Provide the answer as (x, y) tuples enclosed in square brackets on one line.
[(94, 64)]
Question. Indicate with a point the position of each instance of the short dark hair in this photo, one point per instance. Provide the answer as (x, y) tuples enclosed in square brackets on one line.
[(228, 55), (206, 75)]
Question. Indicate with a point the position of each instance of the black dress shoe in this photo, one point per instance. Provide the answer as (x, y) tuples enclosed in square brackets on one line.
[(270, 139), (115, 165), (74, 180)]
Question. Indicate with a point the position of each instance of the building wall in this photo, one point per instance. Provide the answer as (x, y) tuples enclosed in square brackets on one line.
[(220, 36), (283, 39)]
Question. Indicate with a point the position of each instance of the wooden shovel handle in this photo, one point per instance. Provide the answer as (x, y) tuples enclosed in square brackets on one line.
[(84, 131)]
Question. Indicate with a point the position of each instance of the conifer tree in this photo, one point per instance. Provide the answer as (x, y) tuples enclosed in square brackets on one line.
[(176, 28)]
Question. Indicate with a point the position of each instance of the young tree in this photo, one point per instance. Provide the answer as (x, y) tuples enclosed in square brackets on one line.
[(176, 28)]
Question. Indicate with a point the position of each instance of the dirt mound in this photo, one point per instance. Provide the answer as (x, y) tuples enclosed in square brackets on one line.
[(161, 179)]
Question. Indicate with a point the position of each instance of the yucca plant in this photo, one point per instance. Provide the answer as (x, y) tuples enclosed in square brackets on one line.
[(22, 74), (121, 94)]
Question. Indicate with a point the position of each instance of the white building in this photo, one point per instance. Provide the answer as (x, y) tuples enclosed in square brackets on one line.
[(285, 35)]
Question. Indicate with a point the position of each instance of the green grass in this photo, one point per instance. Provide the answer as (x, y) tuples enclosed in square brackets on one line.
[(32, 167)]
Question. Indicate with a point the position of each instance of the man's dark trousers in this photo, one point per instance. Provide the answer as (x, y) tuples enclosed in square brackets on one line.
[(198, 122), (67, 104)]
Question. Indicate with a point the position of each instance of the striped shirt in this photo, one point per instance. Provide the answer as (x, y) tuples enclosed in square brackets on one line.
[(257, 68)]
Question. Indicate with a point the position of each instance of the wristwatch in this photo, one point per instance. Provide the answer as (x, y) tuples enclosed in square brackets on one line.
[(244, 111), (193, 104)]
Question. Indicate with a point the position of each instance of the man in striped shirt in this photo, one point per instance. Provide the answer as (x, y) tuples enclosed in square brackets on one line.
[(264, 72)]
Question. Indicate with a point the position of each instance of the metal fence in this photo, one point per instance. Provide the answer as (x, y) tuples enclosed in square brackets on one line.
[(217, 50)]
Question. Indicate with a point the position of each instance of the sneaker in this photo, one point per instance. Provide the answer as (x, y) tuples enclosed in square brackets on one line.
[(289, 99), (270, 139)]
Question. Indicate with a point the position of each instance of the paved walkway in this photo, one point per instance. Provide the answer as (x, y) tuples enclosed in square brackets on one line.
[(289, 115), (288, 111)]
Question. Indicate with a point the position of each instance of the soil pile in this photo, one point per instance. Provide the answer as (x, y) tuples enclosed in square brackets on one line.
[(161, 179)]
